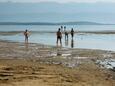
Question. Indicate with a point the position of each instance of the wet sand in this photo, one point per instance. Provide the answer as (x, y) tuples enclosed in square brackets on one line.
[(42, 65)]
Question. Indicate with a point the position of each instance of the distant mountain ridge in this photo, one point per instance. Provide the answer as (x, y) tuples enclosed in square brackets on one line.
[(48, 23)]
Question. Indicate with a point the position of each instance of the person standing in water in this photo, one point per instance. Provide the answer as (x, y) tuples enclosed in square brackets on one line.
[(61, 28), (66, 34), (59, 36), (72, 33), (26, 34)]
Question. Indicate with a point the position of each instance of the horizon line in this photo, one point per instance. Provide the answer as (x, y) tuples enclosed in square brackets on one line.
[(56, 23)]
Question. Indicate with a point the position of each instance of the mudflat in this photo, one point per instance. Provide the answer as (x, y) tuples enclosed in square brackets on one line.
[(40, 65)]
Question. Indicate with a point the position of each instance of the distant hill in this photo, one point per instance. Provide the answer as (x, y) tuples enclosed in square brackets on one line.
[(46, 23), (80, 23)]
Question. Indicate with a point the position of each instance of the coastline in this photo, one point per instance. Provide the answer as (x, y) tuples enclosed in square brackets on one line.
[(53, 50), (51, 66), (76, 32)]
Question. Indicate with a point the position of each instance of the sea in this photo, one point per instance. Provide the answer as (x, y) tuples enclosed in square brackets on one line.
[(80, 40)]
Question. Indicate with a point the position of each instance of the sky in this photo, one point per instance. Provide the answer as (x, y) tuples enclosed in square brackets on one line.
[(60, 1), (43, 12)]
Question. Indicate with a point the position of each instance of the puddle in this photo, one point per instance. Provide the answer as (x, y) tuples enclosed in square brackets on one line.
[(81, 57), (66, 54), (107, 63), (59, 54)]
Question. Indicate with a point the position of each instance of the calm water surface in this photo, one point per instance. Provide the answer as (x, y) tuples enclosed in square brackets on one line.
[(88, 41)]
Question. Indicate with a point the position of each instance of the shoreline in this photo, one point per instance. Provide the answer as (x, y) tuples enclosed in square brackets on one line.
[(106, 32), (80, 51)]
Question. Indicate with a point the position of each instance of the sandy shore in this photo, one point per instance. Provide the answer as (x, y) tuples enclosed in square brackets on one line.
[(41, 65)]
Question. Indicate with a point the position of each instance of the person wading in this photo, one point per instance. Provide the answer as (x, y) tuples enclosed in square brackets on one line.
[(59, 36), (26, 34), (72, 33)]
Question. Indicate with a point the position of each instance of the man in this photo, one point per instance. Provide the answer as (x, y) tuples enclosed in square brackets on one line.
[(59, 36), (26, 34)]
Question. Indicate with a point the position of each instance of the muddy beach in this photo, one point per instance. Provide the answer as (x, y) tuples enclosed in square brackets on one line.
[(42, 65)]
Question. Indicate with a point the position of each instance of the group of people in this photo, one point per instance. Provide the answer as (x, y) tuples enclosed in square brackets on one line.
[(59, 34)]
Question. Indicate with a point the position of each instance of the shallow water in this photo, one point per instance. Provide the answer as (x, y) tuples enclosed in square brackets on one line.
[(88, 41), (107, 63)]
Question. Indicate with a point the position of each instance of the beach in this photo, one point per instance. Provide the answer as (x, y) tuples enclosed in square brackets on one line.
[(43, 65), (57, 43)]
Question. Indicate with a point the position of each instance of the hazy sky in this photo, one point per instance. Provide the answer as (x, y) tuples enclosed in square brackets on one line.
[(60, 1)]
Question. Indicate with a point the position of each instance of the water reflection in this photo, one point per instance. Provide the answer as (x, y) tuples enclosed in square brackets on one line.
[(66, 42), (26, 46), (72, 43), (59, 46), (59, 53)]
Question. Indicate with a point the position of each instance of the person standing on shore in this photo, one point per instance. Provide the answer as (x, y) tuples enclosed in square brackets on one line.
[(72, 33), (26, 34), (59, 36)]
